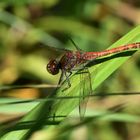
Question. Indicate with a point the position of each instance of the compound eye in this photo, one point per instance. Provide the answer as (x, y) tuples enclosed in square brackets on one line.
[(52, 67)]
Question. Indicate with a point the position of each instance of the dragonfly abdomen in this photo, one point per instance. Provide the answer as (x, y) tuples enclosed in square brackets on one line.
[(94, 55)]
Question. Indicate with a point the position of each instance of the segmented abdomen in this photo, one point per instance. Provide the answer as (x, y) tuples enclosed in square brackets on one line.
[(93, 55)]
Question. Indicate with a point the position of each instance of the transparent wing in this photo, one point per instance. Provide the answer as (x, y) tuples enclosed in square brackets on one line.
[(85, 90)]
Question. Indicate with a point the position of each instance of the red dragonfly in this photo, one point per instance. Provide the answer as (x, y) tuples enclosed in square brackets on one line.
[(72, 60)]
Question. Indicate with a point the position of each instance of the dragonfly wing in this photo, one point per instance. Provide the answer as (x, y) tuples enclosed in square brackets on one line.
[(85, 90)]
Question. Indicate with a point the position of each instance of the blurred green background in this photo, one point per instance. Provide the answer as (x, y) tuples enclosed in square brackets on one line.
[(33, 32)]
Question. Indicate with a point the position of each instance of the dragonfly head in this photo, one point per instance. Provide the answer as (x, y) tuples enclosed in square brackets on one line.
[(53, 67)]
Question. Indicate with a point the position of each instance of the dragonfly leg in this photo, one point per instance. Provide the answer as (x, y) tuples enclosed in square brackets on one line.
[(53, 115), (61, 78), (67, 80)]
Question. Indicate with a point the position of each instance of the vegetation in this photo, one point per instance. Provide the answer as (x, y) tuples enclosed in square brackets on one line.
[(31, 105)]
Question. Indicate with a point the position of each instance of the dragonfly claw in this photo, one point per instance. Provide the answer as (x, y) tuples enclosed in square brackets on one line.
[(69, 85)]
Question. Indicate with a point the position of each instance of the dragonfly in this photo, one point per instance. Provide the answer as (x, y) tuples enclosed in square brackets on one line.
[(71, 60)]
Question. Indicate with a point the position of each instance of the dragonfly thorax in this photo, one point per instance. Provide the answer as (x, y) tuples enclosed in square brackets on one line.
[(53, 67)]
